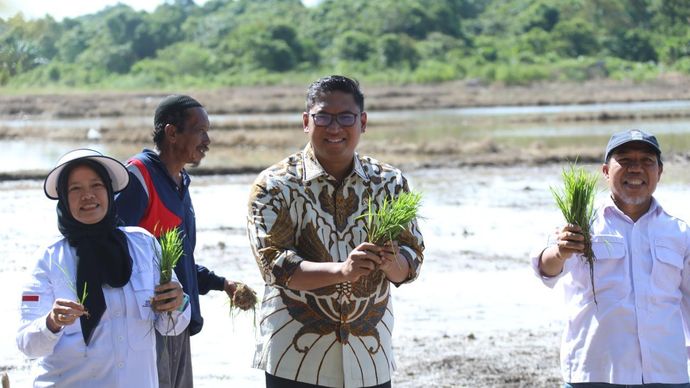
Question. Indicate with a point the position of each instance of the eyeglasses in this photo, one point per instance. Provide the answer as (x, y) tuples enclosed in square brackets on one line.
[(345, 119)]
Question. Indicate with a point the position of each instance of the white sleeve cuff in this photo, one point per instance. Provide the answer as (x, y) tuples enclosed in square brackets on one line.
[(549, 281)]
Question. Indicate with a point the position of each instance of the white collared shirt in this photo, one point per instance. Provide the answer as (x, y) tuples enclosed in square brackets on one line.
[(122, 351), (635, 334)]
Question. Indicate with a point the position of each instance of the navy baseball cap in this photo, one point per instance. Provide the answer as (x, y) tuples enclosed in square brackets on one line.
[(620, 138)]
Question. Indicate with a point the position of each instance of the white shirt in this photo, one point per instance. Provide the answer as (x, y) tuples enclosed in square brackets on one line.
[(642, 280), (122, 351)]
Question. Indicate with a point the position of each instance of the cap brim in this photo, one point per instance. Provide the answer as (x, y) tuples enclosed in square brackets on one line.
[(117, 171), (613, 147)]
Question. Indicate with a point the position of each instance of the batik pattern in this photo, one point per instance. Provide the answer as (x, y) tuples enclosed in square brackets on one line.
[(338, 335)]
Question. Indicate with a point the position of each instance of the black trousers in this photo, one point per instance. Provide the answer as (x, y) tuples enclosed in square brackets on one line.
[(279, 382)]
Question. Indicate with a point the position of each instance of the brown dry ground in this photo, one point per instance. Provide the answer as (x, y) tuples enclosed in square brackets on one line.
[(273, 136), (508, 359), (275, 99)]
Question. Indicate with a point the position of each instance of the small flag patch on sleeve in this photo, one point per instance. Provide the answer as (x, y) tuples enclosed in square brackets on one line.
[(30, 298)]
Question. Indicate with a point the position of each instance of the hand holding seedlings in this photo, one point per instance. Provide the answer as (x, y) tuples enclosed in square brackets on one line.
[(393, 264), (230, 287), (576, 202), (64, 312), (169, 297), (243, 297), (362, 260), (569, 240)]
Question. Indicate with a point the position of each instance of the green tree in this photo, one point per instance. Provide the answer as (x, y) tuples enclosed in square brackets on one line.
[(261, 46), (635, 45), (353, 46), (397, 50), (575, 37)]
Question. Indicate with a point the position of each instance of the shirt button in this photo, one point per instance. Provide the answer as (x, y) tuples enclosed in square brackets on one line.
[(120, 364), (121, 338), (118, 313)]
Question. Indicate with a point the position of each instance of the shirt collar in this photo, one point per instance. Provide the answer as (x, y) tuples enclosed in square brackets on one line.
[(154, 157), (313, 169)]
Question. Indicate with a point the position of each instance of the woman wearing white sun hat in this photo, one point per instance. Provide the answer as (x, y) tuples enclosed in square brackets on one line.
[(89, 311)]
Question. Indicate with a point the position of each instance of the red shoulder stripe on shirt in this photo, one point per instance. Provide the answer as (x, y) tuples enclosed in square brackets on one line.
[(30, 298), (157, 218)]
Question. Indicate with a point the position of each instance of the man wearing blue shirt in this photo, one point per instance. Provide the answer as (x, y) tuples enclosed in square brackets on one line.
[(158, 199)]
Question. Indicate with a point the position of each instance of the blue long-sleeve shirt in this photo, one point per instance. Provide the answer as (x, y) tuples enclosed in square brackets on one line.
[(153, 201)]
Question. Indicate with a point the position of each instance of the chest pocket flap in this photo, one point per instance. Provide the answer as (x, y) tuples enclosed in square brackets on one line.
[(142, 284), (608, 247), (667, 251)]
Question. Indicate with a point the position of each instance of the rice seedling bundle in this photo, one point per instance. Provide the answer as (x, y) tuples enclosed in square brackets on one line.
[(244, 297), (170, 254), (391, 218), (576, 202)]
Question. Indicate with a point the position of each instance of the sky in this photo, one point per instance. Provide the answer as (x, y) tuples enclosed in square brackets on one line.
[(60, 9)]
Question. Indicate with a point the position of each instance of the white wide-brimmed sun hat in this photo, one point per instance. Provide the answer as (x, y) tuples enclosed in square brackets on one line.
[(117, 171)]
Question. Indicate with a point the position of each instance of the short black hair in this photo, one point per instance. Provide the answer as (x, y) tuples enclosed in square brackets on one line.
[(174, 110), (334, 83)]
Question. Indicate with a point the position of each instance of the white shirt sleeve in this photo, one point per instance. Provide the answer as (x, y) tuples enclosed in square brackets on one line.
[(685, 290), (33, 337), (549, 281)]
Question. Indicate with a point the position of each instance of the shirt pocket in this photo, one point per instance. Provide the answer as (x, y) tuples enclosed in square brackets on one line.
[(609, 269), (140, 320), (71, 343), (667, 268)]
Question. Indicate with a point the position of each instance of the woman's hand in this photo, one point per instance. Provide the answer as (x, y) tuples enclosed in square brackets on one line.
[(169, 297), (64, 312)]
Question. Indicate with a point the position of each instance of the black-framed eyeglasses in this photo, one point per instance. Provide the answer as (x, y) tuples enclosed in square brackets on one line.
[(344, 119)]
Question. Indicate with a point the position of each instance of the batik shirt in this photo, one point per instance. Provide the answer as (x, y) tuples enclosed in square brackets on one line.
[(339, 335)]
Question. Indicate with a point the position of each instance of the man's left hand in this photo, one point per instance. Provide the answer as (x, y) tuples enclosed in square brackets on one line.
[(230, 288), (393, 264)]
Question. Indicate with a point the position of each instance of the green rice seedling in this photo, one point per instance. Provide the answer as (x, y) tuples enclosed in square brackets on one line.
[(84, 294), (576, 202), (72, 287), (171, 252), (391, 218)]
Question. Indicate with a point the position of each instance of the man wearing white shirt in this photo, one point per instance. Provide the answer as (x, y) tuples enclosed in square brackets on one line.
[(634, 334)]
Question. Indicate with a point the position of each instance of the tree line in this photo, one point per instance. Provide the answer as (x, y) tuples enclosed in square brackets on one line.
[(253, 42)]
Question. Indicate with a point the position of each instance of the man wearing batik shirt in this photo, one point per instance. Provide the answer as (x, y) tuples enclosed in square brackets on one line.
[(327, 316)]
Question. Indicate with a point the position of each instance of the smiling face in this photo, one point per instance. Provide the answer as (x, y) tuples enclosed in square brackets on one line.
[(632, 173), (190, 144), (334, 145), (87, 195)]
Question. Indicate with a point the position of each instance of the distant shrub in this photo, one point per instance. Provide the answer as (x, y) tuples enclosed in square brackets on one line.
[(433, 71), (521, 74)]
